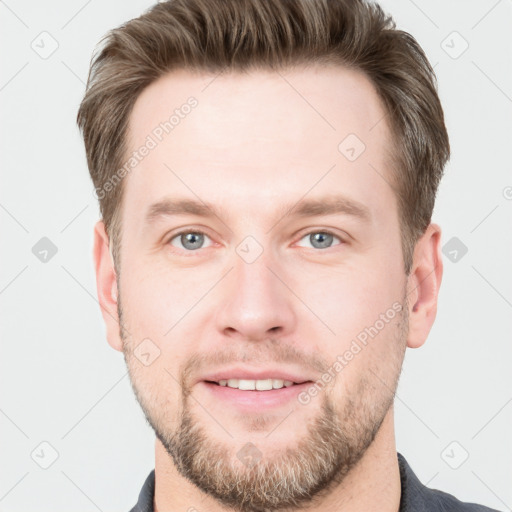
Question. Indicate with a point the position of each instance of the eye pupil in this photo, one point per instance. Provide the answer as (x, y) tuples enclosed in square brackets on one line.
[(324, 239), (190, 240)]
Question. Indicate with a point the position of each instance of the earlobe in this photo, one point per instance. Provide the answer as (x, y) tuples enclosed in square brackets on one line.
[(423, 286), (106, 284)]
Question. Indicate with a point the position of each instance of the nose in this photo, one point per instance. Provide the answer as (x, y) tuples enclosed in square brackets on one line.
[(256, 303)]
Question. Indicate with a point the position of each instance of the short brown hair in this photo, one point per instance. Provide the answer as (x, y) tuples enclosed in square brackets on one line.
[(238, 35)]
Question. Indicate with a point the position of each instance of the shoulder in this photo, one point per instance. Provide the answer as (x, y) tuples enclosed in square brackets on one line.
[(418, 498)]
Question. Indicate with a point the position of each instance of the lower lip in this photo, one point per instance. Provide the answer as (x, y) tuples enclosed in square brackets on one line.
[(252, 400)]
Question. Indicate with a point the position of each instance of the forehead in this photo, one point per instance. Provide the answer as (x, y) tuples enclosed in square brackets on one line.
[(262, 135)]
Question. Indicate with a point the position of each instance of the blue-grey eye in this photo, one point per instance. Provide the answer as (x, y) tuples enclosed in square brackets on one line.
[(189, 240), (320, 239)]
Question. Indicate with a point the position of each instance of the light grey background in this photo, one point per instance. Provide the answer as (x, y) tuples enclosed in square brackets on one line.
[(62, 384)]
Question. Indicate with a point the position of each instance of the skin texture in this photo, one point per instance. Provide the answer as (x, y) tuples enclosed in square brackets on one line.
[(254, 147)]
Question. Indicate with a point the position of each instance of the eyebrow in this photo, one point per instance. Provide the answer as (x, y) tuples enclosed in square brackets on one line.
[(329, 205)]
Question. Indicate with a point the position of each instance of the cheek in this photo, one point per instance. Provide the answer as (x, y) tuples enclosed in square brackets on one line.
[(161, 313), (158, 393), (156, 298), (363, 311), (351, 299)]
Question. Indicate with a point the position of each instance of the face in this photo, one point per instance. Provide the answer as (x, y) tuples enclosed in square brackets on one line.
[(261, 241)]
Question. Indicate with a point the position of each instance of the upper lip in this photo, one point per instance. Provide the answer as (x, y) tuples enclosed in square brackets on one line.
[(253, 374)]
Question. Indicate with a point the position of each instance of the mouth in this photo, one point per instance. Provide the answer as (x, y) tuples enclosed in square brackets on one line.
[(255, 385), (253, 396)]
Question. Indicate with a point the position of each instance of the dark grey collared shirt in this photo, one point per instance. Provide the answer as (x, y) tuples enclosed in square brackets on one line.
[(415, 496)]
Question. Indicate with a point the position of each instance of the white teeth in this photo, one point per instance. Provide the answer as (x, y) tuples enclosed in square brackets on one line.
[(264, 385), (260, 385), (246, 384), (277, 384)]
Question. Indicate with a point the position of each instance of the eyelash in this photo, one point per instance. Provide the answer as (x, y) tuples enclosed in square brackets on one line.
[(200, 232)]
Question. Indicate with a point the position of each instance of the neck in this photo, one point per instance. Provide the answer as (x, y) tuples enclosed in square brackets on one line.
[(373, 483)]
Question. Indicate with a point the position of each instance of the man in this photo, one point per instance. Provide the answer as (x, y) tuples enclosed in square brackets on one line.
[(266, 172)]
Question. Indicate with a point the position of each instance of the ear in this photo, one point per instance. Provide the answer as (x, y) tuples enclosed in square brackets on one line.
[(423, 285), (106, 284)]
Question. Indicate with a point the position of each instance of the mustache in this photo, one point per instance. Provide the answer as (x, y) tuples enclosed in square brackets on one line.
[(271, 352)]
